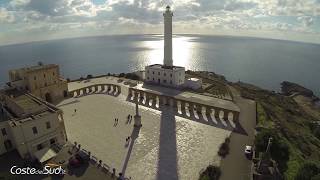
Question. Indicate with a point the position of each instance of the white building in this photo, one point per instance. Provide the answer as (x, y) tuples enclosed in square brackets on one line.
[(166, 74), (30, 125)]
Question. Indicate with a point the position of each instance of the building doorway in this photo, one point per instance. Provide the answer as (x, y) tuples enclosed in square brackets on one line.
[(159, 81), (48, 97), (65, 94), (8, 145)]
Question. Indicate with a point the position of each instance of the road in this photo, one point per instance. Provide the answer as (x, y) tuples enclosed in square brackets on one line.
[(236, 166)]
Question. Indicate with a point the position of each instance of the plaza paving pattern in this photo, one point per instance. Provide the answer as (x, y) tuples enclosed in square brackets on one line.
[(166, 147)]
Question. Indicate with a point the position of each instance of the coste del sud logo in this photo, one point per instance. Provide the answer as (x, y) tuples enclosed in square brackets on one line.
[(48, 169)]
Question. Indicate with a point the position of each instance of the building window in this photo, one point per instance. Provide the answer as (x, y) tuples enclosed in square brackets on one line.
[(48, 125), (148, 78), (165, 81), (35, 130), (152, 72), (35, 78), (39, 147), (148, 71), (170, 81), (45, 84), (3, 131), (53, 74), (153, 79), (52, 141), (179, 73), (44, 75), (164, 74), (171, 75)]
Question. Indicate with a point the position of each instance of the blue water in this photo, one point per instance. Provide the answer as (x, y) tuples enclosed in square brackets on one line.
[(262, 62)]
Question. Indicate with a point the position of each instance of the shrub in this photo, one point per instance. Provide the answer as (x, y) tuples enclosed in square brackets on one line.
[(210, 173), (89, 76), (224, 148), (132, 76), (307, 171), (316, 177)]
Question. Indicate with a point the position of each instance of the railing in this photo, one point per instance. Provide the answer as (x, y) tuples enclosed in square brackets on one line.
[(98, 163)]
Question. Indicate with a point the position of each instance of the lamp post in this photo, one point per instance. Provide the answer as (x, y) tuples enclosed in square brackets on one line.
[(269, 144), (137, 117)]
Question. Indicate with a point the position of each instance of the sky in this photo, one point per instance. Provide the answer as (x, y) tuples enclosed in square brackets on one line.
[(35, 20)]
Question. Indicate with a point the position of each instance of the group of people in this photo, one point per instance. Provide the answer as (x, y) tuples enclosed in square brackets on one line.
[(128, 139), (116, 121), (129, 119)]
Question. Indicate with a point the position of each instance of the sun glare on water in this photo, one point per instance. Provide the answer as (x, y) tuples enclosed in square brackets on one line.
[(182, 51)]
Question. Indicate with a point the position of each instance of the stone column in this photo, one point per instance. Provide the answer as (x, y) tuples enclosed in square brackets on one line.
[(137, 117), (115, 89), (151, 99)]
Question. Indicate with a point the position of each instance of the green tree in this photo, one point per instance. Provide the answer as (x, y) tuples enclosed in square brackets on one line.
[(307, 171), (316, 177), (279, 150)]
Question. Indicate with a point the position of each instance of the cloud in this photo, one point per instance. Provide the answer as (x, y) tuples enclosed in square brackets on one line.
[(305, 20), (60, 16), (6, 16)]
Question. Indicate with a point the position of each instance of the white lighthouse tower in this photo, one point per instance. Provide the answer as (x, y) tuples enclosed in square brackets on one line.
[(167, 16), (166, 74)]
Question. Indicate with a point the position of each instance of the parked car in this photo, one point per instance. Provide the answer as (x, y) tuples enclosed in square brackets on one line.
[(248, 151), (75, 162)]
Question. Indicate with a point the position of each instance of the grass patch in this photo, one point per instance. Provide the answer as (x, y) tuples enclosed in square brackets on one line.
[(262, 117)]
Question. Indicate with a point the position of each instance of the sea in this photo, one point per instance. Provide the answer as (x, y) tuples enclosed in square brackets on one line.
[(262, 62)]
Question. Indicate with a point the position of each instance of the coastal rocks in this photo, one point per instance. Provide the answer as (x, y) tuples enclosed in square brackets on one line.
[(289, 88)]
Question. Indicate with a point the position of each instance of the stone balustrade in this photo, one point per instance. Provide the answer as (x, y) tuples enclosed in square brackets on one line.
[(111, 89), (159, 101)]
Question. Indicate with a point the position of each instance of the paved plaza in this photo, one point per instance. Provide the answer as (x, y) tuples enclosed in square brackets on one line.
[(166, 147)]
